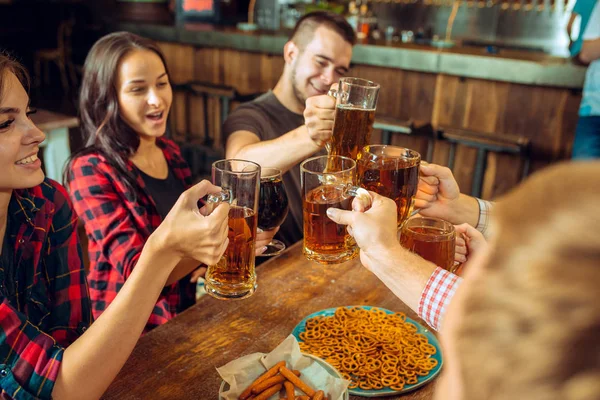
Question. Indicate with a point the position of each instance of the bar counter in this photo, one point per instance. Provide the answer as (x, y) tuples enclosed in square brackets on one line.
[(528, 95), (178, 360), (509, 65)]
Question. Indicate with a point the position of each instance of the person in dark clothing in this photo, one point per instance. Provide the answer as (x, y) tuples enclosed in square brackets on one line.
[(295, 120)]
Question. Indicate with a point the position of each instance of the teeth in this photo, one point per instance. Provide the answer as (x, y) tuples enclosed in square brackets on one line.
[(158, 114), (28, 160)]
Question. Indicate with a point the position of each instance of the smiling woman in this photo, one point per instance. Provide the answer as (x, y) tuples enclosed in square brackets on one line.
[(18, 153), (128, 177), (47, 342)]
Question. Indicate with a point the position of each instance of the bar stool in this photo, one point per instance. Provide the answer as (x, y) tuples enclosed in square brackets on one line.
[(200, 151), (61, 56), (484, 143), (390, 126)]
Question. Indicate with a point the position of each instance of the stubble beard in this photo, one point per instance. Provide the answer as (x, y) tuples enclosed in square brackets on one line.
[(300, 97)]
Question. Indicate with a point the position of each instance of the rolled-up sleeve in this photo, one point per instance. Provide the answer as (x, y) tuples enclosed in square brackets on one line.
[(437, 294)]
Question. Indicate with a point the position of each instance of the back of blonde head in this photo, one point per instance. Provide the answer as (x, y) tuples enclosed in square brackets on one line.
[(532, 319)]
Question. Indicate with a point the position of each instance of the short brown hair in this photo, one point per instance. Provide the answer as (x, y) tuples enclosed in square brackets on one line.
[(9, 64), (307, 25), (531, 319)]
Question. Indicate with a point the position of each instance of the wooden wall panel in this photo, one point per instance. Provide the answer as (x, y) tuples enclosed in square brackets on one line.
[(547, 116)]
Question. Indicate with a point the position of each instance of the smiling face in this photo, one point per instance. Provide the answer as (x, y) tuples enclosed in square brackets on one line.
[(144, 93), (319, 64), (19, 139)]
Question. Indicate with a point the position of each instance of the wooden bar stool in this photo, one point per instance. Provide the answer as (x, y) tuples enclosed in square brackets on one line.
[(391, 126), (484, 143)]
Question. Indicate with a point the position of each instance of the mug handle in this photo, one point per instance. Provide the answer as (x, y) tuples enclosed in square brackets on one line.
[(333, 93), (361, 194), (214, 199)]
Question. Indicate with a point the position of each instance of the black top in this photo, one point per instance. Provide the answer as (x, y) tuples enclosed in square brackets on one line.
[(164, 192)]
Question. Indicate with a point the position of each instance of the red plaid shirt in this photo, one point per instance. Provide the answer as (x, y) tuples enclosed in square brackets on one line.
[(44, 296), (118, 227)]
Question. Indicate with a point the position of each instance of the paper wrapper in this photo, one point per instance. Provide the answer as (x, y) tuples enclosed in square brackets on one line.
[(240, 373)]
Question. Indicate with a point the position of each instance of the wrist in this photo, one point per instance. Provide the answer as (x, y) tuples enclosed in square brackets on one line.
[(466, 210), (157, 249)]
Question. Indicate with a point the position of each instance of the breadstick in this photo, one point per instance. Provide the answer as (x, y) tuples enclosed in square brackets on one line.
[(302, 398), (297, 382), (289, 390), (269, 392), (318, 395), (270, 373), (267, 383)]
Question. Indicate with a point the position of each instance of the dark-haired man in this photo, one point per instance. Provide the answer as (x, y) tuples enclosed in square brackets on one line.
[(293, 121)]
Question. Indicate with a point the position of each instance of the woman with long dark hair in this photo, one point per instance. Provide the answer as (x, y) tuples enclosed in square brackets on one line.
[(48, 347), (128, 176)]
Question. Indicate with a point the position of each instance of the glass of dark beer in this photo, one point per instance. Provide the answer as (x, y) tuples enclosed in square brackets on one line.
[(392, 172), (431, 238), (233, 277), (356, 101), (272, 206), (323, 187)]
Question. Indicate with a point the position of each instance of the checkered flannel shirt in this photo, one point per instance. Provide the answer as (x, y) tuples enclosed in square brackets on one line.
[(44, 298), (118, 227)]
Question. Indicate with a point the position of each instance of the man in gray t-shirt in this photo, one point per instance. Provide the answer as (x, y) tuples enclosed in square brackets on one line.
[(292, 122)]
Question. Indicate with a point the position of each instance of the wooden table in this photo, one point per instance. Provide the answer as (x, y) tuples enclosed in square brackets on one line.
[(178, 360), (56, 146)]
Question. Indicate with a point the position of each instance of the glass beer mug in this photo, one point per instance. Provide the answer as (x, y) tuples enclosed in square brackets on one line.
[(323, 187), (392, 172), (355, 104), (432, 238), (233, 277)]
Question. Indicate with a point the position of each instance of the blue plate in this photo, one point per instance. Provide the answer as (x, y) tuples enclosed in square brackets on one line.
[(422, 380)]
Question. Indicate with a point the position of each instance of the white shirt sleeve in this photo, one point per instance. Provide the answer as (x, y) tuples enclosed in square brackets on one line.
[(592, 31)]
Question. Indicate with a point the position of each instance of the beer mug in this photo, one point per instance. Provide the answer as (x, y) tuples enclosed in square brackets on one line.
[(392, 172), (432, 238), (233, 277), (323, 187), (356, 101)]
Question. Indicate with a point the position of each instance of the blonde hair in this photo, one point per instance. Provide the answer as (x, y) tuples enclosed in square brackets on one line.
[(531, 325)]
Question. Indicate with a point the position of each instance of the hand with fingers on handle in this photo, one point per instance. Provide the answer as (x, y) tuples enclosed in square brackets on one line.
[(469, 243), (374, 230), (318, 118), (439, 196), (187, 232)]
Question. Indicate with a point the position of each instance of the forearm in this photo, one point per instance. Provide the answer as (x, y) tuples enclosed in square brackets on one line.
[(465, 210), (183, 268), (403, 272), (98, 355), (283, 152), (590, 51)]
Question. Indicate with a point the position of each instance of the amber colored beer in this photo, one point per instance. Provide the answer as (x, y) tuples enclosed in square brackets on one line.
[(234, 276), (393, 178), (435, 244), (323, 238), (352, 130)]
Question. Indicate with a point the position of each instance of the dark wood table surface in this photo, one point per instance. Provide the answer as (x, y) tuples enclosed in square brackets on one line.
[(179, 359)]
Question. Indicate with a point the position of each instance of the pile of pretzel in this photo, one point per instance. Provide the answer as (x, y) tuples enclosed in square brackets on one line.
[(370, 348), (277, 378)]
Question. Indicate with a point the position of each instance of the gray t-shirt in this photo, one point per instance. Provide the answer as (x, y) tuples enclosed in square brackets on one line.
[(269, 119)]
